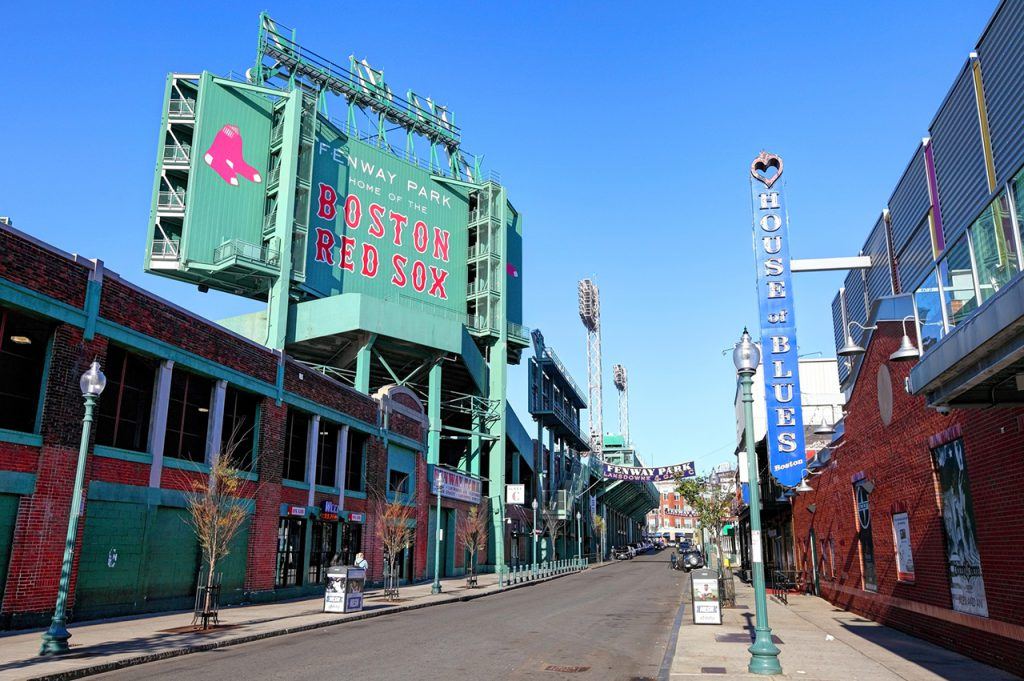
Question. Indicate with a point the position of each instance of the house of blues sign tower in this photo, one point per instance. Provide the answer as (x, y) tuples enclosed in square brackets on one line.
[(786, 449)]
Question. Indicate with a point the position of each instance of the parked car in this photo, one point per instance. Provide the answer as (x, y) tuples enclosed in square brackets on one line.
[(621, 553), (690, 560)]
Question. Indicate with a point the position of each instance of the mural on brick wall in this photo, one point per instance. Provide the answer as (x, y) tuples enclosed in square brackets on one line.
[(965, 581)]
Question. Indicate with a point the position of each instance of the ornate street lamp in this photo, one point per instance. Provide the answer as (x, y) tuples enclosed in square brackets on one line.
[(534, 505), (55, 639), (436, 587), (579, 539), (764, 655)]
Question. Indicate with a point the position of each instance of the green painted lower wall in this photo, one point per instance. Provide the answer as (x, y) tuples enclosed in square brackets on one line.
[(139, 558), (8, 517)]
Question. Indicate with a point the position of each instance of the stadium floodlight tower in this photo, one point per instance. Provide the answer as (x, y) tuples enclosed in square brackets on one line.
[(590, 315), (621, 380)]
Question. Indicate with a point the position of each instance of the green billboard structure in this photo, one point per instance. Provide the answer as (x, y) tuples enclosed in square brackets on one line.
[(383, 254)]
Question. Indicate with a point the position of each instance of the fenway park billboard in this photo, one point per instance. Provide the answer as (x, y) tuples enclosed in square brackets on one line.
[(383, 227)]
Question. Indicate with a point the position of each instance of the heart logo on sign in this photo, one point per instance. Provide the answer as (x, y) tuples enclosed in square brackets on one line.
[(766, 168)]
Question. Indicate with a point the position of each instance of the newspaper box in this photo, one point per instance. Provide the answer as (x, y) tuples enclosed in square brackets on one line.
[(707, 600), (344, 592)]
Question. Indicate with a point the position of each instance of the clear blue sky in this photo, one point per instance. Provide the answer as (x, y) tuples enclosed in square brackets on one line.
[(623, 133)]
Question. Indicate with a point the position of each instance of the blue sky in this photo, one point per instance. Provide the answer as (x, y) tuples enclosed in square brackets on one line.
[(623, 132)]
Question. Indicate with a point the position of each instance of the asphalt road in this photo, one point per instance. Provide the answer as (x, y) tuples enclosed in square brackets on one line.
[(615, 621)]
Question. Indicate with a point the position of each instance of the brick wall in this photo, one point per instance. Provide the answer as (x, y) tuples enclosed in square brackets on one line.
[(41, 526), (896, 458)]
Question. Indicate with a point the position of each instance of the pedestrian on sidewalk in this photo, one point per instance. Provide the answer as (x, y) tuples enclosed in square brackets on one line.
[(672, 560), (361, 561)]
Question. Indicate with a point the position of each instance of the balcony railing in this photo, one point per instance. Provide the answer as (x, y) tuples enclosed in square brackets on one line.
[(176, 153), (482, 250), (165, 249), (243, 250), (550, 354), (178, 108), (518, 332), (171, 200)]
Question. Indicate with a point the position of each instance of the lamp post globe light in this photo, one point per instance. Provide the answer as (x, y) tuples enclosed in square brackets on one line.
[(55, 639), (534, 505), (436, 587), (764, 655)]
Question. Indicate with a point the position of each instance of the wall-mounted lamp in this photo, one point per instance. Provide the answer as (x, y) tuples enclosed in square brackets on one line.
[(850, 348), (907, 349)]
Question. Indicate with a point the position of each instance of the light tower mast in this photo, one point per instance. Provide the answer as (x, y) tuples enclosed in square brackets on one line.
[(621, 380), (590, 315)]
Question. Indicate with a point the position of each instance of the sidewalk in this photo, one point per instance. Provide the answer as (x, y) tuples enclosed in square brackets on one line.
[(110, 644), (818, 642)]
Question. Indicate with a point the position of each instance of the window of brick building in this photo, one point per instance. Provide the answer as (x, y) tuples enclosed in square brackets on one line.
[(354, 473), (23, 349), (291, 549), (321, 550), (297, 432), (188, 416), (241, 411), (327, 454), (124, 410), (398, 482)]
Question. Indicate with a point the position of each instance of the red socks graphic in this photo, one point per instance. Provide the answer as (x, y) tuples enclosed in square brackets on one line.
[(225, 157)]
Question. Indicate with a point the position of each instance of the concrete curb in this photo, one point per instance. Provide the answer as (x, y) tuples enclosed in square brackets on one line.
[(249, 638)]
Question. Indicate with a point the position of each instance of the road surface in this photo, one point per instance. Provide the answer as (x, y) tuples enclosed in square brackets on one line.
[(615, 621)]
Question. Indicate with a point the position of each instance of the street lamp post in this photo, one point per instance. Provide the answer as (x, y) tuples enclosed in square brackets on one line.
[(579, 539), (436, 588), (55, 639), (764, 655), (534, 505)]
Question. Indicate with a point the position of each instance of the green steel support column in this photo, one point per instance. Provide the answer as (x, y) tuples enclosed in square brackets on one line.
[(363, 358), (434, 415), (497, 360), (552, 467), (540, 479), (55, 639), (764, 654), (277, 304), (475, 453)]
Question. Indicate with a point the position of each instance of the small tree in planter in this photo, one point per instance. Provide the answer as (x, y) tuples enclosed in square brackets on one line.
[(712, 505), (394, 534), (218, 506), (471, 534), (599, 527)]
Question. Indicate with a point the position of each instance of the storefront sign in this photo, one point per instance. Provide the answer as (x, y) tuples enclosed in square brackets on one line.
[(965, 581), (639, 474), (357, 517), (515, 495), (904, 553), (455, 485), (297, 511), (786, 450), (329, 510)]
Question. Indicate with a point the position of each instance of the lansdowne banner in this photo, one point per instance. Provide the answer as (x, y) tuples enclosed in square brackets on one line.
[(653, 474)]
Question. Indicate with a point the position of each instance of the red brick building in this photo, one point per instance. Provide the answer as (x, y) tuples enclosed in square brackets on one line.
[(872, 536), (180, 388)]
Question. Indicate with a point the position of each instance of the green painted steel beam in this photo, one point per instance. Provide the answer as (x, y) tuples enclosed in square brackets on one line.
[(351, 312)]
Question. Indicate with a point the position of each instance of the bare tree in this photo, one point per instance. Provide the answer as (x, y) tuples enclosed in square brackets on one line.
[(394, 531), (554, 526), (471, 533), (218, 506)]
